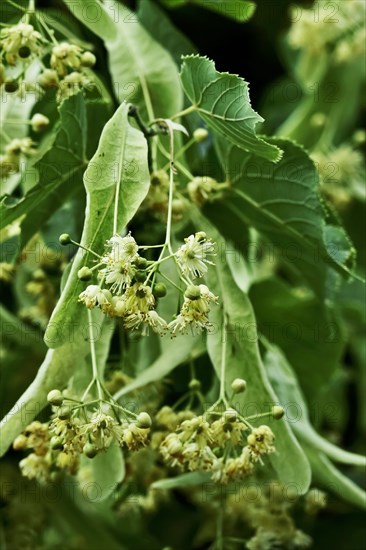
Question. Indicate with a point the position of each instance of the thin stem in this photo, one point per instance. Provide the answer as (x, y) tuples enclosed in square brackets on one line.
[(15, 5), (171, 282), (8, 138), (94, 355), (49, 31), (181, 151), (223, 363), (85, 248), (185, 112), (171, 191)]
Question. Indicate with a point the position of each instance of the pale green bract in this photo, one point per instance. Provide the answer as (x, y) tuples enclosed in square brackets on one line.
[(142, 71), (121, 159)]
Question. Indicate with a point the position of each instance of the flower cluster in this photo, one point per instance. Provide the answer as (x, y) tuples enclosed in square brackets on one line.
[(78, 429), (223, 443), (315, 31), (347, 181), (15, 150), (203, 189), (127, 286), (22, 43)]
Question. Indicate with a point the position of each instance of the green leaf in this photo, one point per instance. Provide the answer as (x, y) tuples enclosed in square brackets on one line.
[(222, 101), (238, 10), (59, 172), (158, 24), (287, 388), (234, 322), (308, 333), (175, 352), (282, 202), (333, 480), (191, 479), (104, 471), (142, 71), (121, 159)]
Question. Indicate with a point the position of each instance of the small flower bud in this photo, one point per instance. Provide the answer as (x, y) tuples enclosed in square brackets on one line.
[(143, 420), (141, 263), (54, 397), (194, 384), (11, 86), (359, 137), (159, 290), (85, 274), (56, 443), (238, 385), (39, 122), (64, 239), (39, 276), (201, 236), (88, 59), (64, 413), (193, 292), (48, 79), (178, 207), (231, 415), (90, 450), (20, 443), (140, 276), (277, 412), (24, 52), (251, 439), (174, 445), (200, 134)]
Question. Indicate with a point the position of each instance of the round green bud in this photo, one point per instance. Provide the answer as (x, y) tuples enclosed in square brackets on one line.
[(201, 236), (238, 385), (24, 52), (143, 420), (194, 384), (141, 263), (64, 413), (140, 276), (56, 443), (199, 135), (85, 274), (11, 86), (278, 412), (39, 122), (88, 59), (48, 79), (159, 290), (193, 292), (55, 397), (90, 450), (64, 239), (318, 120), (359, 137), (39, 276)]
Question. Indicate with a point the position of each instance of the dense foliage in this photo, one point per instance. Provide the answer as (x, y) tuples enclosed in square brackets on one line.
[(183, 346)]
